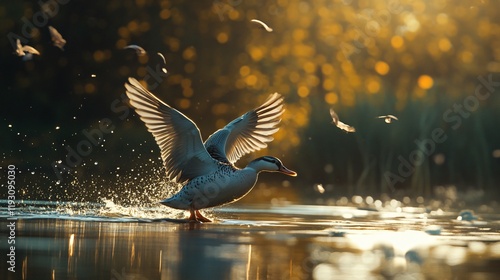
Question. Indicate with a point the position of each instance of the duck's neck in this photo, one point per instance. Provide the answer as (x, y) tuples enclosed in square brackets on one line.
[(257, 166)]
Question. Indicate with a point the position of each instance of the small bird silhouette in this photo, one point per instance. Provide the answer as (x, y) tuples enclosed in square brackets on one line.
[(164, 61), (388, 118), (139, 50), (340, 124), (26, 52), (57, 38), (265, 26)]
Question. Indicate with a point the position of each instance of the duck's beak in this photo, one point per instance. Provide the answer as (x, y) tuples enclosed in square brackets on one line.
[(287, 171)]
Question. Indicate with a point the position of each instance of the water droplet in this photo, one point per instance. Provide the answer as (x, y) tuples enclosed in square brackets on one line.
[(319, 188)]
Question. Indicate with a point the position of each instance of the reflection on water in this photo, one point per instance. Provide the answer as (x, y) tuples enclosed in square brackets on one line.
[(280, 242)]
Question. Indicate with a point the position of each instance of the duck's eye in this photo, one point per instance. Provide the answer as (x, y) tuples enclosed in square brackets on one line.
[(270, 159)]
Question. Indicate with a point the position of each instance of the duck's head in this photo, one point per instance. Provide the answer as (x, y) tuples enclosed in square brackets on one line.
[(271, 164)]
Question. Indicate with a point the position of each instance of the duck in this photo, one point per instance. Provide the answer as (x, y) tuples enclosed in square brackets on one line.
[(207, 170)]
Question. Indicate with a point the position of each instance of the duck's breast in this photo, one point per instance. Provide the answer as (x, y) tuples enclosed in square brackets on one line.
[(223, 187)]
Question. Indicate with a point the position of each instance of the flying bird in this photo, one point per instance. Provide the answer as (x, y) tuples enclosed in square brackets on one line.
[(164, 61), (265, 26), (57, 38), (162, 57), (206, 169), (388, 118), (139, 50), (26, 52), (340, 124)]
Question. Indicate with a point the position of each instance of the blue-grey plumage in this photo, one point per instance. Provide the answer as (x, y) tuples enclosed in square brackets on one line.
[(206, 170), (228, 184)]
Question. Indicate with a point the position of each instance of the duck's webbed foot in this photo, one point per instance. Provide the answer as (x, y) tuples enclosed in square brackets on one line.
[(201, 218), (196, 216)]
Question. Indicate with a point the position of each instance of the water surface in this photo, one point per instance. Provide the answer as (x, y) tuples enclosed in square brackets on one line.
[(107, 241)]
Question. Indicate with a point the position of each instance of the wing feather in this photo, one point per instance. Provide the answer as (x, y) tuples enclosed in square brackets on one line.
[(179, 139), (248, 133)]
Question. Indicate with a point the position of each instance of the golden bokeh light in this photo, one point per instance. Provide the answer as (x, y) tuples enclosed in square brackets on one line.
[(189, 53), (256, 53), (98, 56), (251, 80), (133, 26), (244, 70), (165, 14), (327, 69), (442, 18), (444, 44), (397, 42), (373, 86), (89, 88), (328, 84), (184, 103), (309, 67), (467, 56), (331, 98), (382, 67), (425, 82), (234, 14), (303, 91), (222, 37)]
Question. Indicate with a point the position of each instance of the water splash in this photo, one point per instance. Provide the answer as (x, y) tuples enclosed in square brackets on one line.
[(106, 210)]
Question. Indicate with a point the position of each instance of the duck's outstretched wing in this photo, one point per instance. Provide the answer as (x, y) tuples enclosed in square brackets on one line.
[(250, 132), (179, 138)]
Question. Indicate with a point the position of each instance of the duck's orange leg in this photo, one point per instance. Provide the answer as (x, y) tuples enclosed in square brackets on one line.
[(196, 216), (192, 217), (200, 217)]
